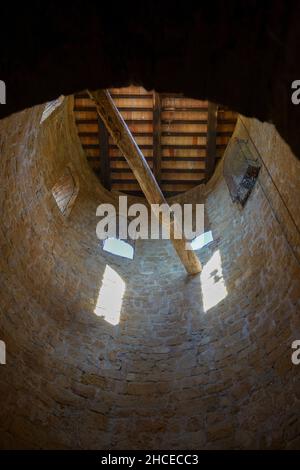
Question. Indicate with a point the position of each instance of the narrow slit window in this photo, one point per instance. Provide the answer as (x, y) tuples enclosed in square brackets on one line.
[(2, 352), (50, 107), (65, 191), (202, 240), (2, 92), (241, 169), (118, 247)]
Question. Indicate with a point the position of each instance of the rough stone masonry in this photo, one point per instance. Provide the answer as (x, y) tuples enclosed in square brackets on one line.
[(173, 373)]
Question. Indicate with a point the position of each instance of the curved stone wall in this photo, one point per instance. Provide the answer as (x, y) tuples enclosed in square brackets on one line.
[(194, 362)]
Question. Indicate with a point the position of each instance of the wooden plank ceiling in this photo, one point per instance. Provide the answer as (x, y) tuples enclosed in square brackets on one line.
[(182, 139)]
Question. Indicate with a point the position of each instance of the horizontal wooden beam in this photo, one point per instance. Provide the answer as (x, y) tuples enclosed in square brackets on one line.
[(184, 147), (142, 146), (138, 121), (189, 147), (163, 121), (115, 178), (94, 134), (131, 121), (186, 108), (182, 170), (132, 96), (183, 159), (135, 108), (121, 134), (174, 182), (84, 109), (114, 146), (184, 121), (122, 158)]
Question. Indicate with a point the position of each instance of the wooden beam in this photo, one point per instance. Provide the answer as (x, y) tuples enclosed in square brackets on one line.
[(131, 96), (104, 155), (157, 136), (121, 134), (192, 109), (211, 143)]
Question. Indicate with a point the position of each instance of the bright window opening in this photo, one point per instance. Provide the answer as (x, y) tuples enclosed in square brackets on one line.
[(202, 240), (118, 247), (109, 302)]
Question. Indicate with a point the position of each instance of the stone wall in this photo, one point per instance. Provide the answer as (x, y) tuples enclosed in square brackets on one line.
[(177, 371)]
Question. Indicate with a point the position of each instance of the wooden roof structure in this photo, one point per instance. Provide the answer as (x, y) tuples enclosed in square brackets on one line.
[(182, 139)]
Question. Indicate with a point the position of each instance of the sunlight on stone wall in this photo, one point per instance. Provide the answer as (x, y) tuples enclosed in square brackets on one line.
[(212, 282), (110, 297)]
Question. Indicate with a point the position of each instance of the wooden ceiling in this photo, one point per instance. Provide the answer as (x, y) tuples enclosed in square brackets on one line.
[(181, 138)]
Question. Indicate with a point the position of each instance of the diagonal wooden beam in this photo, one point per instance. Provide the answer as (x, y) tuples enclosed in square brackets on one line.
[(123, 138), (211, 143), (157, 137), (104, 155)]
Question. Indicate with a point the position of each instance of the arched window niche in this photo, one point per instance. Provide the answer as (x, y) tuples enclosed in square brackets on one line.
[(65, 191)]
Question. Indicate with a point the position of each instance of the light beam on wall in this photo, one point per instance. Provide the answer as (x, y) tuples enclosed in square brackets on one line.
[(212, 282), (109, 302)]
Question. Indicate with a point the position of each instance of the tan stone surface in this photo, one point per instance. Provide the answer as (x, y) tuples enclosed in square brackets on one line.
[(170, 375)]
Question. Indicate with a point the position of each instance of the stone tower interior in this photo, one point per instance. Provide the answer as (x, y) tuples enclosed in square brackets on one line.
[(168, 360)]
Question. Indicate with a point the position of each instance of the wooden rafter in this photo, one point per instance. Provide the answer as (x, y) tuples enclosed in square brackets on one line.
[(123, 138), (182, 165)]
